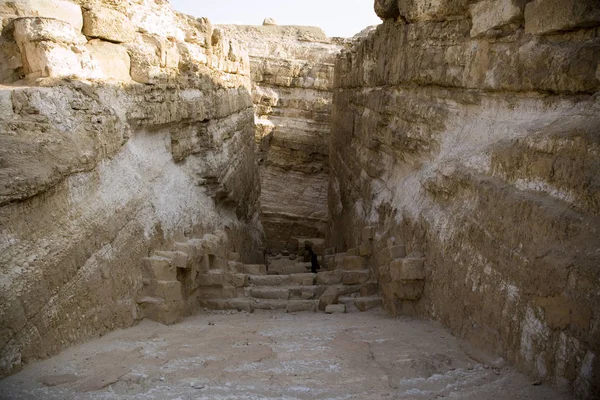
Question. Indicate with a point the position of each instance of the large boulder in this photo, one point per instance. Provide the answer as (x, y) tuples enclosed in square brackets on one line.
[(492, 17), (432, 10), (387, 9), (52, 48), (549, 16), (112, 59), (57, 9), (107, 24)]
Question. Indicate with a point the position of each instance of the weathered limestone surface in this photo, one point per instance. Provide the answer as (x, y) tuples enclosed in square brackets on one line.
[(470, 135), (109, 151), (292, 77)]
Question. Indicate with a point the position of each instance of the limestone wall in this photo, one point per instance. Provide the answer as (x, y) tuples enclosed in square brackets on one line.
[(124, 127), (469, 132), (292, 78)]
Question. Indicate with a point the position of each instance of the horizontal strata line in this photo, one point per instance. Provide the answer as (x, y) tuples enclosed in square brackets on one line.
[(268, 214), (272, 86), (529, 93)]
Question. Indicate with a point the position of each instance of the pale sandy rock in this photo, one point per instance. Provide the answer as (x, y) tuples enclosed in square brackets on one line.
[(548, 16), (490, 16), (269, 22), (432, 10), (387, 9), (108, 24), (483, 206), (335, 308), (45, 29), (53, 48), (57, 9), (85, 159), (112, 59)]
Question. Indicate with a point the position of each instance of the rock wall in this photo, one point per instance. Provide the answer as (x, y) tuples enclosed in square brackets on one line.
[(292, 80), (468, 131), (124, 128)]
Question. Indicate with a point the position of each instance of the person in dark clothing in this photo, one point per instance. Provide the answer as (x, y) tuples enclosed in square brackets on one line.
[(314, 260)]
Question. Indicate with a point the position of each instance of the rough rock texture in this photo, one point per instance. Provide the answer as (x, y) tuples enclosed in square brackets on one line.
[(483, 156), (292, 78), (98, 169)]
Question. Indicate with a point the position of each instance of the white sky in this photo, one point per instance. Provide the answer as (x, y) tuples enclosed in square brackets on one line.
[(342, 18)]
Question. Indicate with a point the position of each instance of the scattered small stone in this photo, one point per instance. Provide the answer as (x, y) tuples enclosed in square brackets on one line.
[(537, 383)]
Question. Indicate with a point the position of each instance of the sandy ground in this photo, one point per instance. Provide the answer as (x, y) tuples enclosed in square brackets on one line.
[(269, 355)]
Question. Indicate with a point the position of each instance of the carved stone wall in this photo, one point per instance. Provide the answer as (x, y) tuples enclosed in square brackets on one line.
[(292, 78), (125, 127), (469, 133)]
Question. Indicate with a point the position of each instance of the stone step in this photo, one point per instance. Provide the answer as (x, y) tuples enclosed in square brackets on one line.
[(254, 269), (304, 279), (335, 308), (240, 304), (355, 277), (288, 305), (366, 303), (293, 292)]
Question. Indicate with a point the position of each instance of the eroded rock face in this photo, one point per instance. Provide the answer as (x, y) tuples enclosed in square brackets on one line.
[(114, 145), (292, 78), (469, 135)]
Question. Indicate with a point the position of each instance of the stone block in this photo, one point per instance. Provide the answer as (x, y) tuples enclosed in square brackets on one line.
[(170, 291), (368, 233), (269, 280), (300, 306), (52, 48), (335, 308), (364, 250), (158, 268), (298, 292), (270, 293), (398, 251), (219, 263), (329, 277), (407, 269), (107, 24), (549, 16), (490, 16), (255, 269), (235, 267), (113, 60), (56, 9), (432, 10), (307, 295), (366, 303), (211, 279), (355, 277), (233, 256), (193, 248), (228, 304), (44, 29), (177, 259), (352, 263), (237, 280), (303, 279), (387, 9), (267, 304), (369, 289)]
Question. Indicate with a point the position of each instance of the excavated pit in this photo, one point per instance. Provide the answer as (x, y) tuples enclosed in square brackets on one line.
[(444, 165)]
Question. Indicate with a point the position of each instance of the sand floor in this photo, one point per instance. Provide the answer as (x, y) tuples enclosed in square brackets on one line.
[(269, 355)]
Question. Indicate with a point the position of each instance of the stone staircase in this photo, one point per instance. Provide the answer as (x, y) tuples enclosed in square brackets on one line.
[(203, 273)]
